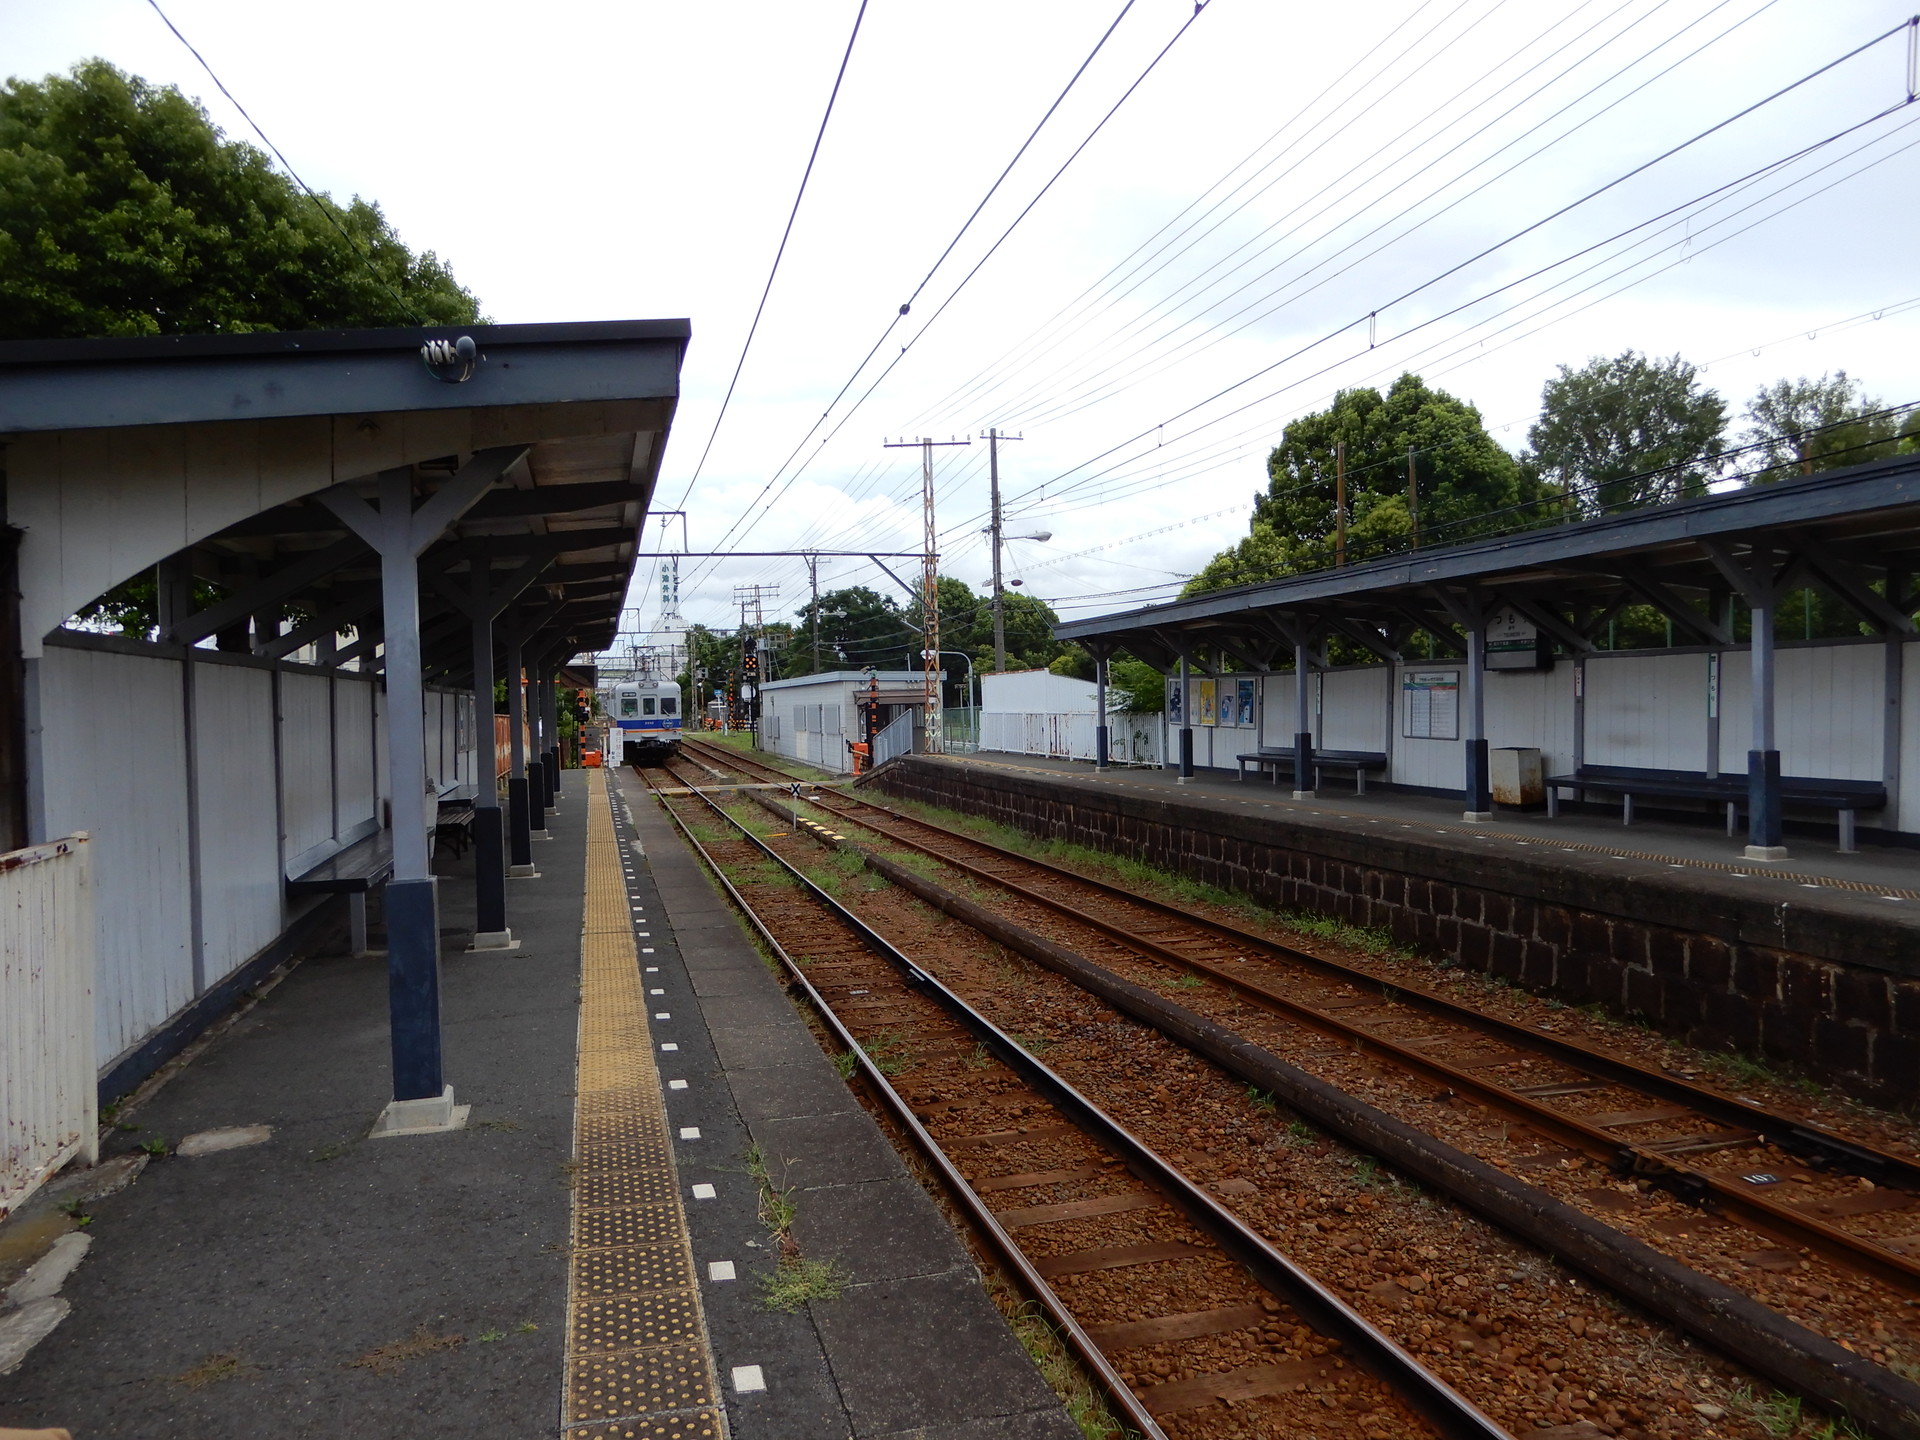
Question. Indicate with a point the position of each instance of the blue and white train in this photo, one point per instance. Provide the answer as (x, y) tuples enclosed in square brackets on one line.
[(645, 717)]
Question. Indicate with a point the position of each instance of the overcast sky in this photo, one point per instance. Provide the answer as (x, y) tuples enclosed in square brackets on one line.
[(587, 162)]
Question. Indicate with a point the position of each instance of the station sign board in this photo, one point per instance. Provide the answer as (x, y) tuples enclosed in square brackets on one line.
[(1515, 643)]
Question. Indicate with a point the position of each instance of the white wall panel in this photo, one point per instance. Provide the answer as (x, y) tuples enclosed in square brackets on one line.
[(1533, 709), (353, 751), (306, 778), (1827, 711), (1353, 708), (1647, 710), (241, 904), (134, 805)]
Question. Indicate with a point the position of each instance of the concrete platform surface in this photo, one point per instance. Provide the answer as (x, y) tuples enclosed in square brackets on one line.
[(912, 1347)]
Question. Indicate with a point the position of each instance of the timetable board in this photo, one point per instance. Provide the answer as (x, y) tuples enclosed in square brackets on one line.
[(1430, 708)]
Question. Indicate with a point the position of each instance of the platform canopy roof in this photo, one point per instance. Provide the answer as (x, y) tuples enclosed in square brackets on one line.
[(1852, 532), (215, 450)]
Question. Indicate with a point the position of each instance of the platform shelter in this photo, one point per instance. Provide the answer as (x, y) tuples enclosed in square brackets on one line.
[(1502, 644), (345, 538)]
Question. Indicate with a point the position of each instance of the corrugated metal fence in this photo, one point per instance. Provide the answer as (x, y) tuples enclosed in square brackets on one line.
[(47, 1086)]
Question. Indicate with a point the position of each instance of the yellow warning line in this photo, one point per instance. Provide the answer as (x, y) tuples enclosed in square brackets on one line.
[(639, 1365)]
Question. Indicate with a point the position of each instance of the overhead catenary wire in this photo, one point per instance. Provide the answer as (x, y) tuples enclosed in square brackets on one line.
[(755, 509), (779, 253), (287, 165), (1489, 250)]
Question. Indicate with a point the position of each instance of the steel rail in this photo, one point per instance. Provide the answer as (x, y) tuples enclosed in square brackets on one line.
[(1859, 1253), (1449, 1411), (1749, 1331)]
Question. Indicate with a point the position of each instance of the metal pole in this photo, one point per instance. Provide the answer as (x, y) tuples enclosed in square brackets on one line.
[(1303, 777), (519, 817), (412, 901), (1339, 504), (1764, 830), (1100, 736), (813, 583), (1186, 726), (999, 610), (930, 604), (490, 930)]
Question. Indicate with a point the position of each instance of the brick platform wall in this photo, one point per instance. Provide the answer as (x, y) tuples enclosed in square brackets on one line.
[(1829, 984)]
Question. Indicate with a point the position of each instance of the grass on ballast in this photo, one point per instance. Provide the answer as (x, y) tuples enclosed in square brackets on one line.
[(1030, 1326)]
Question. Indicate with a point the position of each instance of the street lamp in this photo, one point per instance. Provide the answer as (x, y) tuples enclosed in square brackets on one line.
[(999, 614)]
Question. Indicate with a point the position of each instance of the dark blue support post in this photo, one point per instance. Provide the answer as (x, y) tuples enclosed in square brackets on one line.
[(1479, 780), (1765, 836), (490, 930), (1186, 726), (422, 1100), (1303, 776), (519, 800), (1100, 742), (552, 687)]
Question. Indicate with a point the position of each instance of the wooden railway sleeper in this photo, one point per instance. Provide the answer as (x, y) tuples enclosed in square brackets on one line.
[(1752, 1333), (1857, 1252), (1450, 1413), (1817, 1147)]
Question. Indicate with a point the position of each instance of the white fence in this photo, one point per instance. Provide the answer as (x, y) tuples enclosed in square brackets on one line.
[(1131, 739), (47, 1084), (896, 740)]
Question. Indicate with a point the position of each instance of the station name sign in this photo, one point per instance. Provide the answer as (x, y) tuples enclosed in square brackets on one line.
[(1515, 643)]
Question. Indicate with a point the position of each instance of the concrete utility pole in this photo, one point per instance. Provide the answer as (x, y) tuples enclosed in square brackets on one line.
[(929, 590), (1340, 502), (1413, 500), (813, 608), (994, 437)]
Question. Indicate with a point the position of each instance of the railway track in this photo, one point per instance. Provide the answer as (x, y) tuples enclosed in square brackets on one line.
[(1564, 1107), (1169, 1299)]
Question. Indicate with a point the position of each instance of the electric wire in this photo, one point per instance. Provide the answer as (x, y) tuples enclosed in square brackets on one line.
[(286, 165)]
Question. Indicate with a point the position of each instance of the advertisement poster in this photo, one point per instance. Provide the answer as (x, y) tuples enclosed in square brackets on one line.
[(1208, 689), (1176, 704), (1243, 707)]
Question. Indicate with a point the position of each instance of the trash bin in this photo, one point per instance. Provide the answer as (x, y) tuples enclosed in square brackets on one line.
[(1518, 778)]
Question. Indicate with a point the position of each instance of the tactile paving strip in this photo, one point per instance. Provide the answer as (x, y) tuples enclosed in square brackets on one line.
[(638, 1363)]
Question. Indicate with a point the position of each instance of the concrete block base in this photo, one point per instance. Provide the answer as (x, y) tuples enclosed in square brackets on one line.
[(1476, 816), (1306, 794), (1766, 852), (540, 835), (493, 940), (428, 1116), (523, 872)]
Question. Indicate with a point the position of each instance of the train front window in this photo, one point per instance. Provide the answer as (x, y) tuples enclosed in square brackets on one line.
[(629, 706), (669, 705), (646, 706)]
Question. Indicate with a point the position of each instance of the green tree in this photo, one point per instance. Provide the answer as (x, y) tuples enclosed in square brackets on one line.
[(1622, 433), (1135, 686), (1461, 475), (124, 211), (858, 627), (1804, 426)]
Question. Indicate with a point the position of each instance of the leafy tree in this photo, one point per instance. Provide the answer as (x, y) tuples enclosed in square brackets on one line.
[(1804, 426), (124, 211), (1627, 432), (1073, 662), (1135, 686), (858, 627), (1461, 474)]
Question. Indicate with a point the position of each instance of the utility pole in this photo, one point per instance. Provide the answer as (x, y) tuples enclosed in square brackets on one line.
[(1413, 500), (929, 588), (994, 437), (751, 600), (1340, 502), (813, 584)]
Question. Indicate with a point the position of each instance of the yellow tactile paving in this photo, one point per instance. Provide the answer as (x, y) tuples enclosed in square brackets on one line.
[(638, 1363)]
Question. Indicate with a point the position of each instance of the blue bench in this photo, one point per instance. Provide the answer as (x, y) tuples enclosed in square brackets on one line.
[(1846, 798), (1357, 762), (352, 871)]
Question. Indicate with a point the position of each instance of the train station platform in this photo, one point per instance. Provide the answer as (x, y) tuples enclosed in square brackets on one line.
[(1813, 961), (585, 1258)]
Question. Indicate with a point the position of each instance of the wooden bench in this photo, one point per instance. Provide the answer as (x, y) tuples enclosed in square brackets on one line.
[(1846, 798), (453, 821), (1356, 762), (351, 871)]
